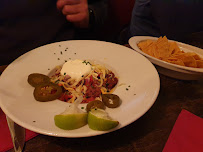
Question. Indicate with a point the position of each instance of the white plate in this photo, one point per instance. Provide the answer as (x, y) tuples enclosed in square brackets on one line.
[(169, 69), (138, 85)]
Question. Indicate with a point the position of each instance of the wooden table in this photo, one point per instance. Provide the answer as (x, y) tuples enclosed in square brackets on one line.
[(149, 133)]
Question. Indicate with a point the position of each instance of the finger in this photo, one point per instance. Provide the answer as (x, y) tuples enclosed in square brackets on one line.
[(75, 9), (70, 9), (61, 3), (80, 17)]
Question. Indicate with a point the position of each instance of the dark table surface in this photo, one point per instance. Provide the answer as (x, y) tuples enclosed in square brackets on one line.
[(148, 133)]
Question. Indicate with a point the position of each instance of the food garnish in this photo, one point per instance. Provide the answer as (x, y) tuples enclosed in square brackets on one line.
[(47, 92), (111, 100), (72, 117), (36, 79), (98, 119), (95, 104)]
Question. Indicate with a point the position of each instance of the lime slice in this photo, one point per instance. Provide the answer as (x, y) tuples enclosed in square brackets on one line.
[(72, 117), (98, 119), (70, 121)]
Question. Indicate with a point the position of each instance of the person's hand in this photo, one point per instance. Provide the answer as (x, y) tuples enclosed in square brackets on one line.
[(76, 11)]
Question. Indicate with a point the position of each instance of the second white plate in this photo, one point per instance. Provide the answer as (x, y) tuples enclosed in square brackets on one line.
[(169, 69)]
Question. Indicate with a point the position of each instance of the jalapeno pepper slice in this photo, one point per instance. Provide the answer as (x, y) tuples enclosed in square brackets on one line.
[(111, 100), (95, 104), (47, 92), (36, 79)]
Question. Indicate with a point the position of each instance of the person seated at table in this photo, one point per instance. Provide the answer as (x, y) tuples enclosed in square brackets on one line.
[(27, 24), (178, 20)]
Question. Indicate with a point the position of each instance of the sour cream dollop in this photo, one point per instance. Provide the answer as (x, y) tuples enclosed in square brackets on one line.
[(76, 69)]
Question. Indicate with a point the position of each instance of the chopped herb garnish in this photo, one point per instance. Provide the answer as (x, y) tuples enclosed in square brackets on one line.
[(57, 81), (82, 75), (86, 62), (61, 52), (127, 89), (64, 73), (82, 107)]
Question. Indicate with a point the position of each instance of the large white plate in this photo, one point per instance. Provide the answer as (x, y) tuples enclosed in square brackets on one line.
[(138, 85), (169, 69)]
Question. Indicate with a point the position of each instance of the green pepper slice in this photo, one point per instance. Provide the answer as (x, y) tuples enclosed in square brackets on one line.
[(36, 79), (47, 92)]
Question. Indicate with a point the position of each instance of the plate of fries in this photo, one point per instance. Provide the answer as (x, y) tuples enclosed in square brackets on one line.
[(171, 58)]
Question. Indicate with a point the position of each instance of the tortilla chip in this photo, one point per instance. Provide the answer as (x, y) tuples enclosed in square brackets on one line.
[(174, 61), (144, 44), (147, 47), (162, 40), (178, 62), (152, 50), (199, 63), (187, 60), (173, 48), (196, 56), (165, 48)]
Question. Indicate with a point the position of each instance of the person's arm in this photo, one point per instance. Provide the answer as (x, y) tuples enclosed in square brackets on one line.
[(178, 19)]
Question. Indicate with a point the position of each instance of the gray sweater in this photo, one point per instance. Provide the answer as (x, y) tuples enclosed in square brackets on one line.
[(177, 19)]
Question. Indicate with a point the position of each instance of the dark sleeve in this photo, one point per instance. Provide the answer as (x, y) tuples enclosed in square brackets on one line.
[(178, 19), (100, 10)]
